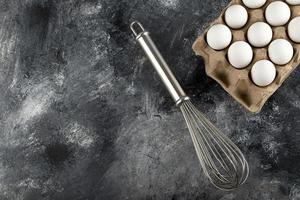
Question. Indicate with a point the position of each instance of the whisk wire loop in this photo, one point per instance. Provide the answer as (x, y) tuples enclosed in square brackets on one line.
[(203, 152), (222, 161), (203, 139)]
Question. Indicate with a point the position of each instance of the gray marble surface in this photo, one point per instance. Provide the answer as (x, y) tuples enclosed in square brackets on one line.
[(83, 116)]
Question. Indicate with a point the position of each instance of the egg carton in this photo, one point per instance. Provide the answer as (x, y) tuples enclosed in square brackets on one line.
[(237, 82)]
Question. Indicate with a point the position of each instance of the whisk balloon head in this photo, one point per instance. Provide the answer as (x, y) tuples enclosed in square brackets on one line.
[(222, 161)]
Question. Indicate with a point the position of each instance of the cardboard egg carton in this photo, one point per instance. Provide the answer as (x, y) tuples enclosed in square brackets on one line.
[(237, 82)]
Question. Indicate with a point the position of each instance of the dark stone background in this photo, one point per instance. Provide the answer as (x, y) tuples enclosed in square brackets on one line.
[(83, 115)]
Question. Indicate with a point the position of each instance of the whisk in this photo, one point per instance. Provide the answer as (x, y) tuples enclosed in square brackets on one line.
[(222, 161)]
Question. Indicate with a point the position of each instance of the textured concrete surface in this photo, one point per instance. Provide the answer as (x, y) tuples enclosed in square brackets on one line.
[(83, 116)]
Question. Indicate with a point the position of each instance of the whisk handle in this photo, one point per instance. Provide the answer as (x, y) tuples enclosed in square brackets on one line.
[(158, 62)]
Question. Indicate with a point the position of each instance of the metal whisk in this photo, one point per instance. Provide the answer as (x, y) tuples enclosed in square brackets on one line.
[(222, 161)]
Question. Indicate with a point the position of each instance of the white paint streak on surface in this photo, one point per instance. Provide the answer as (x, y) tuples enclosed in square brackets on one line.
[(131, 89), (90, 9), (172, 4), (59, 79), (15, 75), (271, 146), (104, 82), (36, 103), (104, 78), (52, 185), (29, 183), (149, 105), (8, 40), (99, 51), (294, 193), (223, 122), (80, 135)]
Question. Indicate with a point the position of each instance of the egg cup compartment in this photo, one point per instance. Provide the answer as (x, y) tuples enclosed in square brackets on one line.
[(238, 82)]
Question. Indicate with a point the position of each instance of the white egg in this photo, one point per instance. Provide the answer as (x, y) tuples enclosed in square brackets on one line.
[(294, 29), (278, 13), (263, 73), (240, 54), (259, 34), (236, 16), (280, 51), (218, 36), (293, 2), (254, 3)]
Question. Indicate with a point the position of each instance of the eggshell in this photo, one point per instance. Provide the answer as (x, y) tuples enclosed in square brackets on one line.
[(218, 36), (278, 13), (254, 3), (294, 29), (293, 2), (259, 34), (280, 51), (240, 54), (263, 73), (236, 16)]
